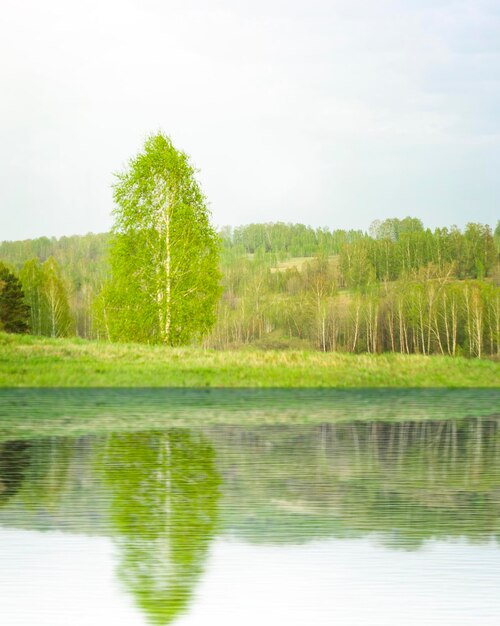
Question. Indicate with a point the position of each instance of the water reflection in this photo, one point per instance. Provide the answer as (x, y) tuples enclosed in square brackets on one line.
[(408, 482), (163, 490), (14, 459), (164, 495)]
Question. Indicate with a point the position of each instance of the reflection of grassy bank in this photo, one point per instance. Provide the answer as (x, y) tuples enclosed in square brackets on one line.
[(36, 362), (45, 412)]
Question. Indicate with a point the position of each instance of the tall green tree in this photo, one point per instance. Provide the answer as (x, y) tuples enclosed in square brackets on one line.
[(56, 300), (47, 295), (31, 276), (14, 312), (164, 252)]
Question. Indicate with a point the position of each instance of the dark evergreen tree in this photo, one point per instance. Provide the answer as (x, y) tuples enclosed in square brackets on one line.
[(14, 312)]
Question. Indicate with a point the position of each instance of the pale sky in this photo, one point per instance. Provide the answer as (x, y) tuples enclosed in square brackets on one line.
[(329, 113)]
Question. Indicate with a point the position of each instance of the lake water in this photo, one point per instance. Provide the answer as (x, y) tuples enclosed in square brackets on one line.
[(310, 508)]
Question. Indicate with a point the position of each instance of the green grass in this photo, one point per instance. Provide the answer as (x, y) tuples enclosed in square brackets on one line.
[(27, 361)]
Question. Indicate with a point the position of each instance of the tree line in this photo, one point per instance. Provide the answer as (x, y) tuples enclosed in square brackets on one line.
[(61, 279), (181, 488), (398, 287)]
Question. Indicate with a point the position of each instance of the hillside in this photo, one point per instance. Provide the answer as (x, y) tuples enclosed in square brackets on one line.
[(399, 288)]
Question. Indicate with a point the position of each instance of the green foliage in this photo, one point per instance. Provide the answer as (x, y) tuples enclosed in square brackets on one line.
[(14, 312), (163, 489), (402, 288), (164, 252), (286, 240), (54, 291), (31, 276), (83, 267), (164, 495), (393, 229), (47, 295), (399, 247)]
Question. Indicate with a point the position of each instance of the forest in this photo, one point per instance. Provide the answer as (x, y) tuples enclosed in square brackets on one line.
[(399, 287)]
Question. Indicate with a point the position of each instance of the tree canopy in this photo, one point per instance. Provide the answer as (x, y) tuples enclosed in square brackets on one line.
[(164, 253), (46, 294), (401, 287), (14, 312)]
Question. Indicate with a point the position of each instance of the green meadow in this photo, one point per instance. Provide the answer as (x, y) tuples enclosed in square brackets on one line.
[(28, 361)]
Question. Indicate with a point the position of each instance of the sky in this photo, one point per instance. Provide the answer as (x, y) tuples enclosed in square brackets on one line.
[(330, 113)]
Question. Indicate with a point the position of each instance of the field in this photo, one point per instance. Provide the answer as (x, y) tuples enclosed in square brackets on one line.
[(27, 361)]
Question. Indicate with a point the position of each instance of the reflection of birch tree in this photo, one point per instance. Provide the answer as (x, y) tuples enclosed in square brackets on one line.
[(164, 491)]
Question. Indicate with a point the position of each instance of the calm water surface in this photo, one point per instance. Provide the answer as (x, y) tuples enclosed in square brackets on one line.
[(368, 522)]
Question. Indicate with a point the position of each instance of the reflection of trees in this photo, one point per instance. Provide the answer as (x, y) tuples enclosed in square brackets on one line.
[(410, 481), (416, 481), (38, 480), (157, 492), (14, 461), (48, 477), (164, 492)]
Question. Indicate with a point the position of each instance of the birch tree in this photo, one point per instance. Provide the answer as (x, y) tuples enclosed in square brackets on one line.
[(46, 294), (164, 252), (31, 277), (56, 318)]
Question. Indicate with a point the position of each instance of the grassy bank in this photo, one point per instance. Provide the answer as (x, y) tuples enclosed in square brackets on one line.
[(40, 362)]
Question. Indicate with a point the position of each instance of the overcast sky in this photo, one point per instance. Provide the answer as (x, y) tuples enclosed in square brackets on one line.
[(329, 113)]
